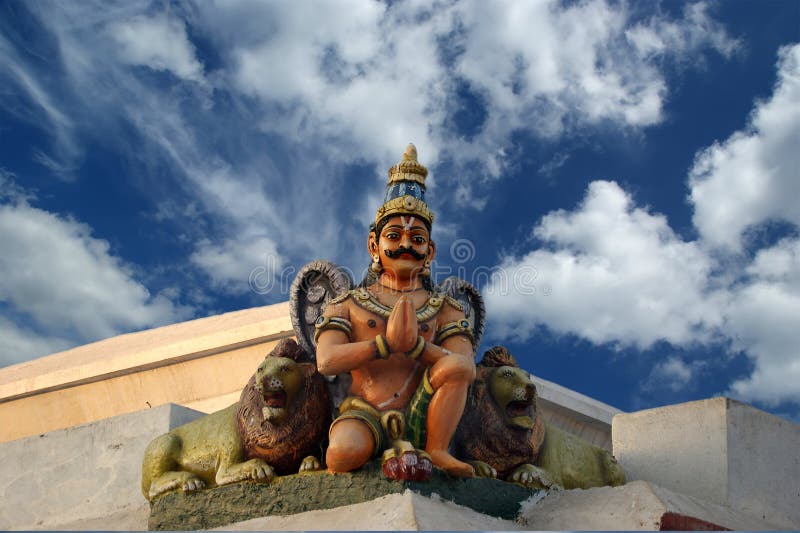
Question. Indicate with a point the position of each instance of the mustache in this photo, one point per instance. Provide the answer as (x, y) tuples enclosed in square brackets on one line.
[(403, 250)]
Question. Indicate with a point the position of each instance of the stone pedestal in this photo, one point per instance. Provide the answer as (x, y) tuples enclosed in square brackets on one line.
[(636, 506), (408, 511), (719, 450), (320, 491), (83, 477)]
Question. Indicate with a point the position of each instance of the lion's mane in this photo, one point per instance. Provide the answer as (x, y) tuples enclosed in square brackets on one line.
[(284, 446), (482, 434)]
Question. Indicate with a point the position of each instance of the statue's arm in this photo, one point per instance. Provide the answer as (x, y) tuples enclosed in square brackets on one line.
[(336, 352), (457, 341)]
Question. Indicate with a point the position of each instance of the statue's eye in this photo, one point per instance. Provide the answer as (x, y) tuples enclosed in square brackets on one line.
[(392, 235), (419, 240)]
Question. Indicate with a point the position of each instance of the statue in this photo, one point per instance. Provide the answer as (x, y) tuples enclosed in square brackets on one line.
[(408, 348), (503, 434), (277, 425)]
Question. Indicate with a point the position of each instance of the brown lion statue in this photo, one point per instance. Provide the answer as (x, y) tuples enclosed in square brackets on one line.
[(284, 411), (278, 425), (503, 435)]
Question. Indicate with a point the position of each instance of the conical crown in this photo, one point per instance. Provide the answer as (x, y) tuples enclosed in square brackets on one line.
[(405, 191)]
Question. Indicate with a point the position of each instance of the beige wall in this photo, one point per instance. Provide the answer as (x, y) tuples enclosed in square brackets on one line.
[(202, 364)]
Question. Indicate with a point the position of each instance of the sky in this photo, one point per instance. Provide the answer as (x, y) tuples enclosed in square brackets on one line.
[(619, 179)]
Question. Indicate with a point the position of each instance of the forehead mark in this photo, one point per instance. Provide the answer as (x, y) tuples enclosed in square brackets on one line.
[(406, 223)]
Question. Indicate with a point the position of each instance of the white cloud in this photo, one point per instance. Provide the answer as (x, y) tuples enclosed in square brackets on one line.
[(616, 274), (752, 177), (21, 344), (660, 36), (68, 283), (230, 264), (673, 374), (157, 42), (762, 320)]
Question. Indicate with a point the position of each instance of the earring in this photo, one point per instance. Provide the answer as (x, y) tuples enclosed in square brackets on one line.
[(426, 269), (376, 265)]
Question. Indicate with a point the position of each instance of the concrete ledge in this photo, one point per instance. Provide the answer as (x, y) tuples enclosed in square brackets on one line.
[(408, 511), (719, 450), (84, 477), (576, 413), (636, 506)]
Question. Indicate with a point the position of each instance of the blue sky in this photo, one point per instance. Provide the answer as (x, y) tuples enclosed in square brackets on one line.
[(619, 178)]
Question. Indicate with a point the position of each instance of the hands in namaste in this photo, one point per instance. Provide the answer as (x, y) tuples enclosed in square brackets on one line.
[(402, 328)]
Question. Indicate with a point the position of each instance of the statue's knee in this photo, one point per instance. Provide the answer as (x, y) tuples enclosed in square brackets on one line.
[(351, 446), (453, 369)]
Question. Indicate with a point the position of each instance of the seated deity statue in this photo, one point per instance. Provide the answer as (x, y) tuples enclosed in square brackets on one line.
[(408, 349)]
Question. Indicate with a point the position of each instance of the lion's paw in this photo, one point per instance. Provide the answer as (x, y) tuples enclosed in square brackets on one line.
[(483, 469), (193, 484), (262, 473), (310, 464), (532, 477)]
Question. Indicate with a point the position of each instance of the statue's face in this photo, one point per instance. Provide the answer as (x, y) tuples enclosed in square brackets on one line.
[(403, 245)]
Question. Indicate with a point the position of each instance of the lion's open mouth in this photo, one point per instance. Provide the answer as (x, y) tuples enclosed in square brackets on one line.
[(275, 398), (517, 408)]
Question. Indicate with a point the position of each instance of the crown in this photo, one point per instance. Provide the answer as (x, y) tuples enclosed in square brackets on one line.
[(405, 191)]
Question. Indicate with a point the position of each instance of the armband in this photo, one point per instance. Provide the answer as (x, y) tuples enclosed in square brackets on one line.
[(325, 323), (381, 348), (418, 348), (459, 327)]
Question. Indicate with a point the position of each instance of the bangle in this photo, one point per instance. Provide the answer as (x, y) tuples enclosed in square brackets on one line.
[(418, 348), (381, 348)]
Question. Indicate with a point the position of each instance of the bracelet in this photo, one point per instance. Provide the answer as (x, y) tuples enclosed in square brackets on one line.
[(381, 348), (418, 348)]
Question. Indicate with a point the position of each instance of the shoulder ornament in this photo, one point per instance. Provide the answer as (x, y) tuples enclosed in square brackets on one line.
[(341, 298), (453, 302)]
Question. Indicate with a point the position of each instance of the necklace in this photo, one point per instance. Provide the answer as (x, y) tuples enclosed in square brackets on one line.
[(400, 290), (366, 300)]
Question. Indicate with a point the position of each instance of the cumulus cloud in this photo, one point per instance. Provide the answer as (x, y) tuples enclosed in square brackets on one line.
[(231, 264), (157, 42), (67, 284), (762, 321), (616, 274), (673, 374), (751, 177)]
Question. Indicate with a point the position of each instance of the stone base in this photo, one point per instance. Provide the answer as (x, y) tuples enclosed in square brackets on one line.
[(314, 491), (718, 450), (408, 511), (638, 505)]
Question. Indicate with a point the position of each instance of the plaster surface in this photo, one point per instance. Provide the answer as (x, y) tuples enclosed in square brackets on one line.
[(84, 477), (636, 506), (719, 450)]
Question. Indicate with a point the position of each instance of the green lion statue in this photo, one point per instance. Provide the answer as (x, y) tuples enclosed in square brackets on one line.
[(282, 416)]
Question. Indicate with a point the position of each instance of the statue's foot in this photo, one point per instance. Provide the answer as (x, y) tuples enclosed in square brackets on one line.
[(402, 462), (451, 465)]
